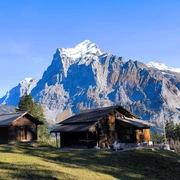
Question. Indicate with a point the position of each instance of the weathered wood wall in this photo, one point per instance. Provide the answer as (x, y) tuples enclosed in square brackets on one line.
[(146, 135), (126, 132), (23, 129), (105, 132), (3, 134)]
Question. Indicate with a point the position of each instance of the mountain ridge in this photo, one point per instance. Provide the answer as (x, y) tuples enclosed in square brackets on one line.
[(161, 66), (13, 95), (90, 79)]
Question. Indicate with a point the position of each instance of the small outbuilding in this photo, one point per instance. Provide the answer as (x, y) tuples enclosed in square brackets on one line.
[(18, 126), (102, 127)]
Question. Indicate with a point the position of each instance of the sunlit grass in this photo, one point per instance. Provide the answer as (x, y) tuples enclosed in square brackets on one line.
[(21, 161)]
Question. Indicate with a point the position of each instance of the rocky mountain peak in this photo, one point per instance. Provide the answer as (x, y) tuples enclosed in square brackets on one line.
[(86, 77), (85, 48)]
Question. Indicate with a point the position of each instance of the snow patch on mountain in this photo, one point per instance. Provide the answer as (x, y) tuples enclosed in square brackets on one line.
[(83, 49), (86, 77), (26, 85), (28, 79), (161, 66), (83, 53)]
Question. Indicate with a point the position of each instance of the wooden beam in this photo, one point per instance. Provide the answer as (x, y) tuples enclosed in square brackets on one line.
[(56, 141), (87, 138)]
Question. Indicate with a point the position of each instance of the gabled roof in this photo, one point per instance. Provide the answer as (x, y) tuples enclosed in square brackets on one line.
[(93, 115), (74, 128), (8, 119), (87, 119)]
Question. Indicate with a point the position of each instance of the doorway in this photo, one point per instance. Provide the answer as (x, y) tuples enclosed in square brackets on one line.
[(22, 133)]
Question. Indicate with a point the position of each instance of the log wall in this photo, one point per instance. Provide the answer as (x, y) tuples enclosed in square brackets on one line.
[(23, 129), (143, 135)]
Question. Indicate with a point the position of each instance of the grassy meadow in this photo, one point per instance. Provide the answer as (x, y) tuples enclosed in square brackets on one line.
[(25, 162)]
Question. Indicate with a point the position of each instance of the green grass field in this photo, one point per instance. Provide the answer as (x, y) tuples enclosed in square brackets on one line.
[(23, 162)]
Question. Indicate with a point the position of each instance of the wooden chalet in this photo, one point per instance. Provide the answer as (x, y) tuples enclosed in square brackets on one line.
[(102, 127), (19, 126)]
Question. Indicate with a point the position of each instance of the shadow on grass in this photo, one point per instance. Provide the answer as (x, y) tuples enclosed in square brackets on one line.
[(139, 164), (30, 172), (121, 165)]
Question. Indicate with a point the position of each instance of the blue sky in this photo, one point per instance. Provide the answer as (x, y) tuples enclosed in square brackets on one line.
[(31, 31)]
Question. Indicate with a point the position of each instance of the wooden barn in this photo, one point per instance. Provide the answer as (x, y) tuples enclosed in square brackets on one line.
[(19, 126), (102, 127)]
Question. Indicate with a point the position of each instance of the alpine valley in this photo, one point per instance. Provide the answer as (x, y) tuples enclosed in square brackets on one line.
[(86, 77)]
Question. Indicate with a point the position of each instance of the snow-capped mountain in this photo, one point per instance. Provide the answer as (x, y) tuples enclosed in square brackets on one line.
[(161, 66), (13, 95), (86, 77)]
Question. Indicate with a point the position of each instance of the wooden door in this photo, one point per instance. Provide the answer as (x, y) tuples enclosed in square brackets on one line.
[(22, 133)]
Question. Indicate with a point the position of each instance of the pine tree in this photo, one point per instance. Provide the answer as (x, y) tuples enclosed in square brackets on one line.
[(43, 134), (170, 130), (173, 134), (156, 137), (178, 131), (27, 103)]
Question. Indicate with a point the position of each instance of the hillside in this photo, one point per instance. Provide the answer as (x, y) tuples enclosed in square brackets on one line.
[(27, 162)]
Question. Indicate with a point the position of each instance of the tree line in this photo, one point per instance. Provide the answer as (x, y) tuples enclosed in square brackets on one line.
[(173, 135), (27, 103)]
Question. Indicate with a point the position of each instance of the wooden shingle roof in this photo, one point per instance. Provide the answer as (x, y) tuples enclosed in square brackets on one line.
[(8, 119), (93, 115), (74, 127), (87, 119)]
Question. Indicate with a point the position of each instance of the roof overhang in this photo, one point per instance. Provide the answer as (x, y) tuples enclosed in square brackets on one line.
[(136, 122), (74, 128)]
